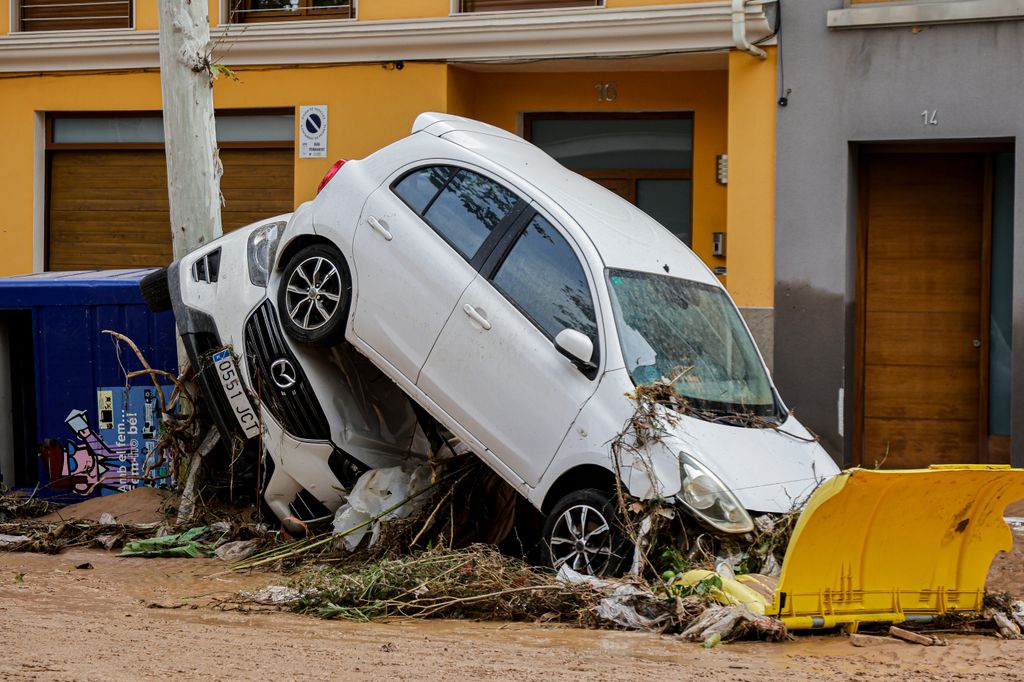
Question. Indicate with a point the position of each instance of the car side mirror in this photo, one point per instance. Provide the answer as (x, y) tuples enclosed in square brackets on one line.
[(576, 346)]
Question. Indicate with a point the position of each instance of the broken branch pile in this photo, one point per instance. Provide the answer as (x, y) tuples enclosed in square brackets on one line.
[(52, 538), (14, 506)]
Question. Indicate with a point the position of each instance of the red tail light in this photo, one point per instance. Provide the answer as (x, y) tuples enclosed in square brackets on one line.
[(330, 174)]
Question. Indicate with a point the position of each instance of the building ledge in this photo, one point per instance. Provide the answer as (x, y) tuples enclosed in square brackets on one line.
[(576, 34), (925, 12)]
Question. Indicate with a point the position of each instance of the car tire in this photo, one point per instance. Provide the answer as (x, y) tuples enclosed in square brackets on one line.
[(584, 531), (155, 291), (314, 295)]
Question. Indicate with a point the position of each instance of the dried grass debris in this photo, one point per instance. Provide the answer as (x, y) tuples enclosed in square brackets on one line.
[(475, 582)]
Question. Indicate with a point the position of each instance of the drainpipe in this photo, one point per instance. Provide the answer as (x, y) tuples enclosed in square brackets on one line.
[(739, 30)]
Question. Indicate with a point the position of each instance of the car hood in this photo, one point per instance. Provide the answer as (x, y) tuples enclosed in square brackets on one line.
[(768, 469)]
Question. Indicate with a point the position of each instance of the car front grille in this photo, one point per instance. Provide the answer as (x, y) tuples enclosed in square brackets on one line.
[(295, 406)]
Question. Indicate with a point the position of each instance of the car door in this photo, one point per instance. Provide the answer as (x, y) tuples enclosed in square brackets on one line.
[(495, 368), (414, 252)]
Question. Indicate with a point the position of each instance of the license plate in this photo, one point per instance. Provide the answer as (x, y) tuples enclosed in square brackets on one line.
[(231, 382)]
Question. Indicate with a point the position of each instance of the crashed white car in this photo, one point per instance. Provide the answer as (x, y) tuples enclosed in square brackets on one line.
[(463, 272)]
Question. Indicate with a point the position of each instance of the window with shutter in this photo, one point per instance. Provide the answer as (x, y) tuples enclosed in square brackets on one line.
[(505, 5), (73, 15), (248, 11)]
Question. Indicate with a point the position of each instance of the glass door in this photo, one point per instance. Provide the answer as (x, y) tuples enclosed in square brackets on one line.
[(646, 158)]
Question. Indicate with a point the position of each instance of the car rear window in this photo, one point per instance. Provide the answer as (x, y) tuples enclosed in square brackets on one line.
[(543, 277)]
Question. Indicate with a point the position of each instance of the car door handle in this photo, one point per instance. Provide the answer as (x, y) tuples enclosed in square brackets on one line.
[(380, 227), (476, 316)]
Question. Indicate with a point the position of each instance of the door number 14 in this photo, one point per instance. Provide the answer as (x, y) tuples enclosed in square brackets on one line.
[(930, 117)]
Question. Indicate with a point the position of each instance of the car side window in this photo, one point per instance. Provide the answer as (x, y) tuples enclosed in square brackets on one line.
[(418, 188), (462, 206), (468, 209), (543, 277)]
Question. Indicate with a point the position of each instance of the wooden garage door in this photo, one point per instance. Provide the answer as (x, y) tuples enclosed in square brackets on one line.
[(108, 209), (922, 280)]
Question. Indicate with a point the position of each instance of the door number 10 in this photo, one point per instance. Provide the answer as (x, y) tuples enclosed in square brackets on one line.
[(930, 118), (606, 91)]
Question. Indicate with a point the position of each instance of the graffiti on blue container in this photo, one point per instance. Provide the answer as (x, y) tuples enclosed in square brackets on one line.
[(117, 454), (91, 464)]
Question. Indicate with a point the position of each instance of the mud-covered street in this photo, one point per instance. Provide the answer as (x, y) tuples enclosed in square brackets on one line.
[(112, 621)]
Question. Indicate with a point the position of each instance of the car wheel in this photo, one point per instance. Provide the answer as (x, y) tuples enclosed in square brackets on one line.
[(314, 296), (583, 532), (155, 291)]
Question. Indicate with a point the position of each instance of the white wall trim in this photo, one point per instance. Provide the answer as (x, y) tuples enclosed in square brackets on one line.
[(934, 12), (538, 34), (39, 192)]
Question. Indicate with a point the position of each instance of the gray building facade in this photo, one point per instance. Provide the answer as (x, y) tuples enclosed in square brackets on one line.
[(899, 261)]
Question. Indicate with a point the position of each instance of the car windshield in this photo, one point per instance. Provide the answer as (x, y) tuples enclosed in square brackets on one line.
[(692, 334)]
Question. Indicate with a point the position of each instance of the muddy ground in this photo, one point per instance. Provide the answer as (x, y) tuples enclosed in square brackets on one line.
[(113, 621)]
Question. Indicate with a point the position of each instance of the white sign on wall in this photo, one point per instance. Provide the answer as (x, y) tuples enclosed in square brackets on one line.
[(313, 132)]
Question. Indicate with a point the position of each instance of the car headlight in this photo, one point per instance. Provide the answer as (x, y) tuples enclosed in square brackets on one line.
[(709, 499), (262, 246)]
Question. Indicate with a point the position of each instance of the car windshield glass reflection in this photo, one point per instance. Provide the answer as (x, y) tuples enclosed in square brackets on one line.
[(690, 333)]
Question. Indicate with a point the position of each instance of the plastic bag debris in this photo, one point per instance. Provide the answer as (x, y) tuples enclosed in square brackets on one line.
[(6, 540), (237, 550), (274, 594), (1006, 626), (726, 623), (107, 542), (375, 492), (728, 591), (1017, 612), (620, 603), (182, 545)]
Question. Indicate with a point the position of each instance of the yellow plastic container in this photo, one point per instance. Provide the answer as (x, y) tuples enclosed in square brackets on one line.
[(892, 546)]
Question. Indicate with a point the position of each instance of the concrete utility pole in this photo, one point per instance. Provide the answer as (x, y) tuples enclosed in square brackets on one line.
[(193, 165)]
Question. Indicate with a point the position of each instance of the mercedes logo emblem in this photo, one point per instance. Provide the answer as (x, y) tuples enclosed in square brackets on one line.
[(283, 373)]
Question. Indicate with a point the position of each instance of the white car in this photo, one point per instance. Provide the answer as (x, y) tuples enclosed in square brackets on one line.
[(463, 272)]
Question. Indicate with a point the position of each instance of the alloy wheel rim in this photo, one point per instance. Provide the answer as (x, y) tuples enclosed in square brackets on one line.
[(582, 540), (313, 293)]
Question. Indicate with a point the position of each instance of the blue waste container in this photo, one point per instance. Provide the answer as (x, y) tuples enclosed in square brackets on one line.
[(71, 425)]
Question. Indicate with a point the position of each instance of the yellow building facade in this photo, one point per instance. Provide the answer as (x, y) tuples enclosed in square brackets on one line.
[(81, 102)]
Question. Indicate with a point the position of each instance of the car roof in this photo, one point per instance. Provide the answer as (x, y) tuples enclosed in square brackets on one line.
[(623, 235)]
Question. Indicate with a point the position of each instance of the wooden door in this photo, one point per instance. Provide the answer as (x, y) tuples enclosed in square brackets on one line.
[(922, 279), (108, 208)]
